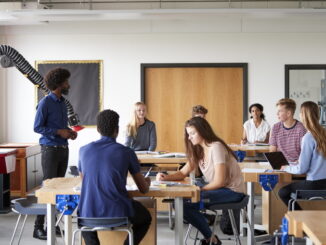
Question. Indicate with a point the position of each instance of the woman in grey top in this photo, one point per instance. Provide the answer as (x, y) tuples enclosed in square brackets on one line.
[(141, 132)]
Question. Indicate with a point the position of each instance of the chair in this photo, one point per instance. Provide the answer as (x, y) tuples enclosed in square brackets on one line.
[(104, 224), (26, 206), (306, 195), (229, 206)]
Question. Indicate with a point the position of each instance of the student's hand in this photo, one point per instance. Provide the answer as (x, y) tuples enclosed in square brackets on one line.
[(73, 135), (243, 141), (160, 176), (148, 180), (64, 133), (283, 167)]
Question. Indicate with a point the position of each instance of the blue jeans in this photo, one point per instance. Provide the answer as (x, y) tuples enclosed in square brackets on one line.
[(192, 212)]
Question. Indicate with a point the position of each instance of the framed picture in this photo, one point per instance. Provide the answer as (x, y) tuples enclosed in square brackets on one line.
[(86, 86)]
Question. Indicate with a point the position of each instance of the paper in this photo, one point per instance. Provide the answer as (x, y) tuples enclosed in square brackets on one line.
[(172, 154), (147, 152), (135, 188), (10, 163), (264, 163), (167, 183), (253, 170)]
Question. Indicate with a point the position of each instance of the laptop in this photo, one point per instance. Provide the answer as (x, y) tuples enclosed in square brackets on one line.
[(276, 159)]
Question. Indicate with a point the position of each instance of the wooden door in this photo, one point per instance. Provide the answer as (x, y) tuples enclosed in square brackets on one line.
[(170, 93)]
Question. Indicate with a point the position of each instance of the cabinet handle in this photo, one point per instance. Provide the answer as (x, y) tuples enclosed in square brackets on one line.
[(34, 171)]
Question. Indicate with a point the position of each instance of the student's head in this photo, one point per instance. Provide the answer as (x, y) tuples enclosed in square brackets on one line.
[(140, 110), (58, 78), (139, 113), (198, 132), (309, 115), (108, 123), (199, 111), (256, 111), (285, 109)]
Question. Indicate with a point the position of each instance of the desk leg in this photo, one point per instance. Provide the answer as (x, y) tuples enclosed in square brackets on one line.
[(251, 210), (50, 211), (68, 229), (178, 229)]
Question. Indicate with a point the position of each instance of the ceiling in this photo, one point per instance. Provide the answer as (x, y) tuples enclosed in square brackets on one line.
[(38, 12)]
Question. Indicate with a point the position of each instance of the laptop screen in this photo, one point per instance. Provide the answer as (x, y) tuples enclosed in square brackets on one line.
[(276, 159)]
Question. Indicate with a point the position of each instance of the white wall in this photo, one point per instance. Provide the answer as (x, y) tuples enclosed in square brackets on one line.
[(124, 45)]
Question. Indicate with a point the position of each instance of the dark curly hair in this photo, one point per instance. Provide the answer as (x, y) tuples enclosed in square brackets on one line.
[(199, 109), (54, 78), (107, 123), (260, 107)]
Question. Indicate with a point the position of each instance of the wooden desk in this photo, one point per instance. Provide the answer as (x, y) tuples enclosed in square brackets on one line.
[(311, 223), (28, 174), (145, 158), (271, 216), (250, 150), (53, 187)]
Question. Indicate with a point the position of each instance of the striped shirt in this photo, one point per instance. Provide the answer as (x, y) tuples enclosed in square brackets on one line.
[(288, 140)]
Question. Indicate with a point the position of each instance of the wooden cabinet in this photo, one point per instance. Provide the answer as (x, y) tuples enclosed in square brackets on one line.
[(28, 174)]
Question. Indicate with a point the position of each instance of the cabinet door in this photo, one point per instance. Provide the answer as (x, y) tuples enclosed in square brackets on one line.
[(38, 170), (30, 173)]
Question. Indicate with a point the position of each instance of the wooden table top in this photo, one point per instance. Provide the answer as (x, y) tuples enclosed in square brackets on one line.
[(147, 158), (52, 187), (254, 176), (251, 150), (312, 223)]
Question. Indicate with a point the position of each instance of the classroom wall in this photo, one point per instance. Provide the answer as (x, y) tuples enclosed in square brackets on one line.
[(266, 44)]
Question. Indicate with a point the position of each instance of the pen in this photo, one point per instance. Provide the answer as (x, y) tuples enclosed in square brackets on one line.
[(149, 170)]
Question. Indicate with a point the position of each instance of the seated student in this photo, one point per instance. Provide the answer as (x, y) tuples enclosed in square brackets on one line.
[(286, 135), (199, 111), (104, 165), (224, 181), (312, 160), (256, 129), (141, 132)]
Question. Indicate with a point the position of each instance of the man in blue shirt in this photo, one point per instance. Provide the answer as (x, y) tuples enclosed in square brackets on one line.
[(51, 121), (104, 166)]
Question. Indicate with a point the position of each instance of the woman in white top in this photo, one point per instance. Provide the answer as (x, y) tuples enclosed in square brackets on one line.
[(256, 129), (223, 179)]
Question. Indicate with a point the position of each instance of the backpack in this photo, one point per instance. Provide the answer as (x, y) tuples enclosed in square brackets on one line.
[(225, 222)]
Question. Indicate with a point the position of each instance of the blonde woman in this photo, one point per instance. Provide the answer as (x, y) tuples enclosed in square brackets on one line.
[(141, 132), (312, 159)]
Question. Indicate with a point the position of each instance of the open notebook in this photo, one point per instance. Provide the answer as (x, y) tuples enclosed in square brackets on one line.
[(171, 154)]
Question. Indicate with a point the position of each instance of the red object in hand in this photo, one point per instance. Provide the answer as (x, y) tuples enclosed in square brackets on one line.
[(77, 128)]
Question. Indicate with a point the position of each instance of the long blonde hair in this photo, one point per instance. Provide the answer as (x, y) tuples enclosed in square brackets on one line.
[(132, 125), (310, 119)]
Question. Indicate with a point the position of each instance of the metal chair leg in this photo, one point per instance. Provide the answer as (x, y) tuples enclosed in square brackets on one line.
[(187, 234), (250, 227), (15, 229), (131, 237), (74, 235), (22, 229), (234, 227)]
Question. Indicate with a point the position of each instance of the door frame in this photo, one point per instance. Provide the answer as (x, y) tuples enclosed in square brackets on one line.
[(244, 66)]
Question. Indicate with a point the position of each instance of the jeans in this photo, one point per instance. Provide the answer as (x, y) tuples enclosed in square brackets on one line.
[(192, 212), (285, 192), (54, 164), (140, 225)]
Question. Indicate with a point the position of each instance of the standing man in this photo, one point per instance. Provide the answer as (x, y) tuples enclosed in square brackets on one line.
[(51, 121), (286, 135), (104, 165)]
